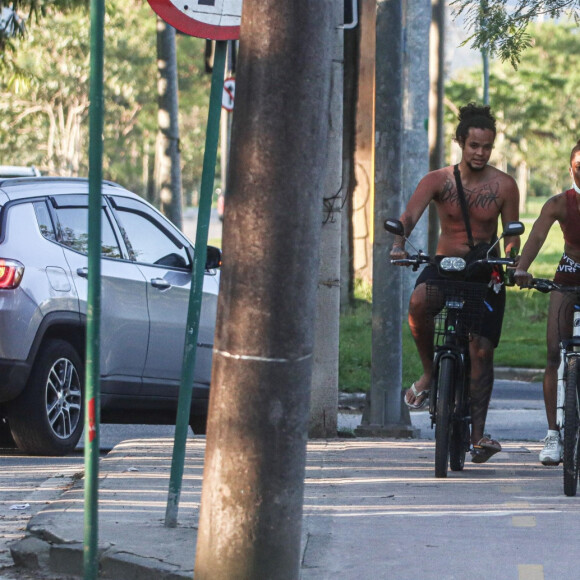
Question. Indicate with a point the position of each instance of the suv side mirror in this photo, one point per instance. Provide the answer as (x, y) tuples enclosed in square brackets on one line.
[(214, 258)]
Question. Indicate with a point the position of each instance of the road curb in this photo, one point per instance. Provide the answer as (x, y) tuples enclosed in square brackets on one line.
[(356, 401), (519, 374), (66, 559)]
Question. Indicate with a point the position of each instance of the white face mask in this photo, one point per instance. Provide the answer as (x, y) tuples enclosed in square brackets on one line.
[(574, 186)]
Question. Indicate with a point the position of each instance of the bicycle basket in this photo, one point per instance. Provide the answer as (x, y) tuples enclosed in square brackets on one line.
[(456, 304)]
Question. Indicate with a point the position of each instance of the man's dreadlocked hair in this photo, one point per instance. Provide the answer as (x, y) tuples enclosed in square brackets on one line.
[(476, 116)]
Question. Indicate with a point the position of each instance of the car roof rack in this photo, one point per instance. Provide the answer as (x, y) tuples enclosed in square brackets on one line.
[(19, 171), (48, 179)]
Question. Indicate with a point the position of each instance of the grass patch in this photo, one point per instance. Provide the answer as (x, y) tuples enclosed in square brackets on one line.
[(523, 342), (355, 343)]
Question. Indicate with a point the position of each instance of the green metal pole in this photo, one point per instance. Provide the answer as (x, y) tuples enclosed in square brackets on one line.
[(92, 386), (195, 295)]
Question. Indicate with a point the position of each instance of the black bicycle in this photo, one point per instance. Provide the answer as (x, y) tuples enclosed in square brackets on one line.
[(458, 308), (568, 393)]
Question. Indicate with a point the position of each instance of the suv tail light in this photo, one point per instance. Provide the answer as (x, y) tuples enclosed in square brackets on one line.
[(11, 272)]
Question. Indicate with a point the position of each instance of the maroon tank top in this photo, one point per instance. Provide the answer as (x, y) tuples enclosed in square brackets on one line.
[(571, 227)]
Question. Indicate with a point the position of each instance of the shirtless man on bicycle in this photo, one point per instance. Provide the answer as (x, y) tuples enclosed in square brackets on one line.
[(490, 194), (563, 208)]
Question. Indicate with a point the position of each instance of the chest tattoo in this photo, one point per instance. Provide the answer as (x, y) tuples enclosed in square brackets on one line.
[(483, 197)]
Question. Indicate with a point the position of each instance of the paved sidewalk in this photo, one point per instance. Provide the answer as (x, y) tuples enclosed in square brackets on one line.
[(134, 543), (372, 509)]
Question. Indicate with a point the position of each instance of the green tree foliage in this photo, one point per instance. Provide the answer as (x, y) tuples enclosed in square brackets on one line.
[(44, 121), (501, 27), (16, 15), (535, 105)]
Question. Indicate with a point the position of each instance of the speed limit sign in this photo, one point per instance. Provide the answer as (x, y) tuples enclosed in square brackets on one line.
[(211, 19)]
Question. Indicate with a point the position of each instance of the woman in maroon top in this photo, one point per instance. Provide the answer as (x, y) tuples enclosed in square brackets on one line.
[(565, 209)]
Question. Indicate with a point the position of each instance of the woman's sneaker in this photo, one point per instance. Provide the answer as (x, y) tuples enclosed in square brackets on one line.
[(551, 454)]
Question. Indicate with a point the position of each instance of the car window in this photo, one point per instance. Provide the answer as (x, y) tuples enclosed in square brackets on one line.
[(44, 221), (74, 232), (149, 243)]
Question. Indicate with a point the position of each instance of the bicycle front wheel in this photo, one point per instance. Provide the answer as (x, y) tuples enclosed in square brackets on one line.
[(459, 440), (445, 401), (571, 428)]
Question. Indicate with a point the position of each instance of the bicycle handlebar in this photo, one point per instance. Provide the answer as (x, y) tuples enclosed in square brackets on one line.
[(544, 285), (417, 259), (500, 261)]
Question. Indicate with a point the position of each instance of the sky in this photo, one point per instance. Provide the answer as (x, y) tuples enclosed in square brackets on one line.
[(459, 57)]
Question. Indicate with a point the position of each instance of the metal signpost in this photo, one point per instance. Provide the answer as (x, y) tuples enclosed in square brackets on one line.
[(214, 20), (92, 377)]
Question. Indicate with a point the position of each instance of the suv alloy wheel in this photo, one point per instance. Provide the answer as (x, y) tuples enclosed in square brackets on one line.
[(47, 418)]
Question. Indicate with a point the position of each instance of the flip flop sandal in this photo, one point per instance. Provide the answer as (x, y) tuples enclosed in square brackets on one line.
[(424, 394), (484, 449)]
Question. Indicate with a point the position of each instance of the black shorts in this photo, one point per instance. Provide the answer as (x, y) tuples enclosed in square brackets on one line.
[(493, 315)]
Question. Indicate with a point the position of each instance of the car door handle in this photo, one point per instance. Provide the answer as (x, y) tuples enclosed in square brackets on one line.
[(83, 272), (160, 283)]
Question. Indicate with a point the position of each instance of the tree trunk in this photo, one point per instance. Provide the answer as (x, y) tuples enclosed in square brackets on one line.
[(167, 158), (522, 180), (251, 507)]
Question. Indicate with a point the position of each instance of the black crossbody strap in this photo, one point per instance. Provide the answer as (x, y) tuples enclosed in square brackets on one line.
[(463, 204)]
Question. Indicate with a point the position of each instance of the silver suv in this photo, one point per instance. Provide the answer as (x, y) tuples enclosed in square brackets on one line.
[(146, 271)]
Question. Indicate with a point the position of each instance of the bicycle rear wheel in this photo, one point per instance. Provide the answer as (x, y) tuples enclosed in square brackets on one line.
[(571, 428), (443, 415)]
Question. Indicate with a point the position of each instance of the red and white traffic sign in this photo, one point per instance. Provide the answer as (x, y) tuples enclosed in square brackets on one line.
[(211, 19), (229, 94)]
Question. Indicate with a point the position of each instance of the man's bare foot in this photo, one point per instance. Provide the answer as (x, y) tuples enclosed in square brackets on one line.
[(415, 397)]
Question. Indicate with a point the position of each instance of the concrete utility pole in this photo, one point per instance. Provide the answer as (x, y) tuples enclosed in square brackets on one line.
[(361, 200), (387, 416), (351, 41), (226, 121), (485, 56), (167, 157), (436, 100), (485, 62), (324, 395), (251, 506), (417, 20)]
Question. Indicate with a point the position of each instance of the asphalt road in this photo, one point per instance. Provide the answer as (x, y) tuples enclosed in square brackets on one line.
[(190, 224), (516, 413)]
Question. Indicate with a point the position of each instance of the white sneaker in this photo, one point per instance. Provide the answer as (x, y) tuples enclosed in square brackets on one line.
[(551, 454)]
